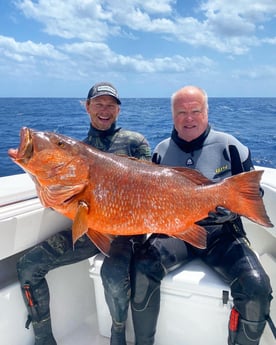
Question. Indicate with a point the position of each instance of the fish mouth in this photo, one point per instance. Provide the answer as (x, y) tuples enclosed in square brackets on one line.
[(25, 149)]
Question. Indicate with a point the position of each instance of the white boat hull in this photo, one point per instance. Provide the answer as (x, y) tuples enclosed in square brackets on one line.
[(191, 305)]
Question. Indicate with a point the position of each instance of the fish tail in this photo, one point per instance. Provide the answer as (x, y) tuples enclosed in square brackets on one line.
[(245, 198)]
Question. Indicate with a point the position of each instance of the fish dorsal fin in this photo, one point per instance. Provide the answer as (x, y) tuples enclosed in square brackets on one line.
[(193, 175), (80, 223), (196, 235), (102, 241)]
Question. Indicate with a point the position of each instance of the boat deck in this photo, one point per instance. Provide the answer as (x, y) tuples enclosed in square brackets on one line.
[(78, 317)]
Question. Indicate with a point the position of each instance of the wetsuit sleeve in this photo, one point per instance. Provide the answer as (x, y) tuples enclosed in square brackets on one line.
[(160, 150), (237, 166), (142, 150), (156, 158), (247, 164)]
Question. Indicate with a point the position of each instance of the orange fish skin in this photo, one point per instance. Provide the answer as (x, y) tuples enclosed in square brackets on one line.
[(105, 194)]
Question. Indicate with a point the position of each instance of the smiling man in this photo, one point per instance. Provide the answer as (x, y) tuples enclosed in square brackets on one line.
[(190, 113), (103, 107), (217, 155)]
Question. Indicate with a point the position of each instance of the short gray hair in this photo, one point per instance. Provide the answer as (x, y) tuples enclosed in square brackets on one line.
[(196, 87)]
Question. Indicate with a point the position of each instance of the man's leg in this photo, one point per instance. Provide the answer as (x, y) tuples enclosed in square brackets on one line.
[(34, 265), (115, 273), (232, 258), (159, 255), (251, 292)]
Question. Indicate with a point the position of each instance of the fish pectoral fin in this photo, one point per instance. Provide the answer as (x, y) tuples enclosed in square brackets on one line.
[(80, 223), (102, 241), (196, 235), (57, 194)]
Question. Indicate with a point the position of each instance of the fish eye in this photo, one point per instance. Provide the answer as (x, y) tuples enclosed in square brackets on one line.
[(60, 143)]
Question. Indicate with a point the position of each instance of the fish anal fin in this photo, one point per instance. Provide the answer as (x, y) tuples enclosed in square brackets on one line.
[(196, 235), (102, 241), (80, 223)]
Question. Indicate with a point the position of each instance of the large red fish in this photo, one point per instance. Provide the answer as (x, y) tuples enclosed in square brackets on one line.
[(106, 195)]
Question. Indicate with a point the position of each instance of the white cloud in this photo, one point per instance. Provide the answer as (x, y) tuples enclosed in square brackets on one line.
[(229, 20), (102, 57), (258, 73), (153, 6), (23, 50), (225, 26), (271, 40), (84, 19), (159, 39), (75, 60), (29, 59), (248, 10)]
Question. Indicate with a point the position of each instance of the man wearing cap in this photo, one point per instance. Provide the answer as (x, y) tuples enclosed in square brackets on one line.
[(103, 107)]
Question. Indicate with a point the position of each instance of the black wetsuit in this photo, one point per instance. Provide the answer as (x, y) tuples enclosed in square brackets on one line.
[(217, 155), (58, 250)]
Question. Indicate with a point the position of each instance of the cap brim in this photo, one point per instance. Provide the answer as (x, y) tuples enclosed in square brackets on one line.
[(106, 94)]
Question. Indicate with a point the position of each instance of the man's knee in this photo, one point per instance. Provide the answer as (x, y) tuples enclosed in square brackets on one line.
[(33, 265), (147, 274), (252, 294), (26, 269), (115, 276), (244, 332), (158, 256)]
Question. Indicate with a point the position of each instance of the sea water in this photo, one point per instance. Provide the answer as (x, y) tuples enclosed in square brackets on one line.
[(251, 120)]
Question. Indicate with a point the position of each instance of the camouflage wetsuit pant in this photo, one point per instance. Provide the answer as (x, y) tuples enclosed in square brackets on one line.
[(58, 251)]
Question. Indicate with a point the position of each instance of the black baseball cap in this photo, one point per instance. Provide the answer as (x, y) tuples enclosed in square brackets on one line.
[(102, 89)]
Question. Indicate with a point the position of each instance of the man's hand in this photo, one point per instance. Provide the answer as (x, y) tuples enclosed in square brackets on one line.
[(221, 215)]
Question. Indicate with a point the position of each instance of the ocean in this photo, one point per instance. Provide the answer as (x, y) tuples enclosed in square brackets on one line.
[(251, 120)]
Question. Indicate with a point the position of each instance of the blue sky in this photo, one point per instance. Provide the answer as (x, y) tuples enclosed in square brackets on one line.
[(56, 48)]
